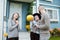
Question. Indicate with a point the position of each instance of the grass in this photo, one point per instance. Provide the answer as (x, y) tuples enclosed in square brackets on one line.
[(55, 38)]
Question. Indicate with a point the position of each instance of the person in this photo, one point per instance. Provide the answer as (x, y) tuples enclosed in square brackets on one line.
[(13, 26), (34, 34), (44, 24)]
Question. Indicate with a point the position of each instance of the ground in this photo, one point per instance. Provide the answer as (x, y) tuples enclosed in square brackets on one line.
[(55, 38), (26, 36)]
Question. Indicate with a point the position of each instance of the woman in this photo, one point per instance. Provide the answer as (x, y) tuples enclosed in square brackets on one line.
[(44, 24), (34, 35), (13, 26)]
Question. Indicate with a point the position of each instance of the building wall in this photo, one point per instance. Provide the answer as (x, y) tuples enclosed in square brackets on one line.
[(56, 24), (1, 18), (55, 4)]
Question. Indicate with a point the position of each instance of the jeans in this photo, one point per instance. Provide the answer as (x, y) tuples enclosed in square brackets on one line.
[(13, 38), (34, 36)]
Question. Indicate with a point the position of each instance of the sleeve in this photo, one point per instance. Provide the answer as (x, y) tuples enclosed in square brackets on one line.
[(30, 24), (18, 28), (46, 24), (10, 26)]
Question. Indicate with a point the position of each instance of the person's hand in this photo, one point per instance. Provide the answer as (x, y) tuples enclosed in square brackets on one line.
[(17, 22), (37, 26)]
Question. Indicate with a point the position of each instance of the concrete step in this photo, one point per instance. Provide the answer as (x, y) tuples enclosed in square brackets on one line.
[(24, 36)]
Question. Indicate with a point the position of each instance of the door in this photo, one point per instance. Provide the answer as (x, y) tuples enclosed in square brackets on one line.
[(16, 7)]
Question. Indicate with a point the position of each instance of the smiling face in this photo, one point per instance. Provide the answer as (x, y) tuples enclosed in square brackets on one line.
[(16, 15), (41, 9), (36, 18)]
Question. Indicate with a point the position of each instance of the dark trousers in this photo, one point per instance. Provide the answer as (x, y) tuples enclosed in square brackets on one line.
[(14, 38), (7, 38), (34, 36)]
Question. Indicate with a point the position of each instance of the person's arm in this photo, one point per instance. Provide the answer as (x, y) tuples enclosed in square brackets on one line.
[(18, 28), (32, 24), (10, 26), (47, 23), (17, 22)]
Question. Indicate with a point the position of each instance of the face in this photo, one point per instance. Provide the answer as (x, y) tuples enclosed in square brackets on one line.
[(15, 15), (36, 18), (41, 9)]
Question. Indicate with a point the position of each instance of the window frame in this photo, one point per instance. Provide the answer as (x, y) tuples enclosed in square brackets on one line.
[(49, 0), (52, 20)]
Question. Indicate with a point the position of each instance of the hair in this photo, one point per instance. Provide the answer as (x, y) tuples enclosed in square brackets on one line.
[(14, 14), (37, 15), (41, 7), (39, 12)]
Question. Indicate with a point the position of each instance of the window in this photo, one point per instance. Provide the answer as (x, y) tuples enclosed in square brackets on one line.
[(53, 13), (49, 0)]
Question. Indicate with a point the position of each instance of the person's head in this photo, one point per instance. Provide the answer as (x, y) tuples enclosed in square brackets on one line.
[(41, 9), (15, 16), (37, 16)]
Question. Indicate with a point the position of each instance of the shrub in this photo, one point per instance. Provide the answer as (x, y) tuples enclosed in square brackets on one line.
[(55, 32), (28, 27)]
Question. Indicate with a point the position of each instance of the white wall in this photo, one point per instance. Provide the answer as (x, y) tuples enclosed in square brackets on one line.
[(1, 18), (2, 12)]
